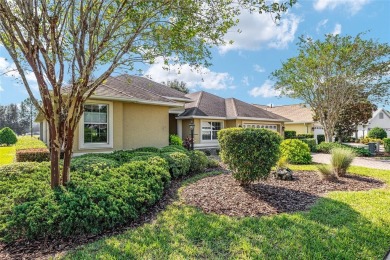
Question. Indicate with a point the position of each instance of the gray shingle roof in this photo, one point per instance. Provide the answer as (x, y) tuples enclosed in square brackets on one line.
[(206, 104), (128, 87)]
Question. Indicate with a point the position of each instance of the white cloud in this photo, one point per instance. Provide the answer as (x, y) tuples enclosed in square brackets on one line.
[(9, 70), (259, 31), (265, 90), (201, 77), (258, 68), (353, 6), (337, 29), (321, 24), (1, 89), (245, 81)]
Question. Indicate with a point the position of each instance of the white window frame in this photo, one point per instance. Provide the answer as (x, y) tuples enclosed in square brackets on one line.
[(200, 129), (110, 121)]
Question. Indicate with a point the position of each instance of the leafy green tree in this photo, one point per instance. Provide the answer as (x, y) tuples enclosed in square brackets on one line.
[(178, 85), (87, 40), (330, 75), (351, 116), (377, 133)]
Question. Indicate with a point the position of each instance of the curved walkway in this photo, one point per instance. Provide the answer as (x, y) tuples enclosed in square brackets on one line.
[(358, 161)]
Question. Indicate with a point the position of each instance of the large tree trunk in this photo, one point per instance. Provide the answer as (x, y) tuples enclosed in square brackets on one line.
[(68, 151), (55, 151)]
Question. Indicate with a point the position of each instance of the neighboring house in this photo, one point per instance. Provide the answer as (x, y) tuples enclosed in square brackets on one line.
[(210, 113), (126, 112), (301, 117), (380, 118)]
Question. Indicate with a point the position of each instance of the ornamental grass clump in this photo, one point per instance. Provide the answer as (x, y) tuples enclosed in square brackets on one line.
[(341, 160), (325, 172), (249, 153)]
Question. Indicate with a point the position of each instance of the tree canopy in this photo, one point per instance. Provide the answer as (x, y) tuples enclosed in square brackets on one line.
[(178, 85), (87, 40), (333, 73)]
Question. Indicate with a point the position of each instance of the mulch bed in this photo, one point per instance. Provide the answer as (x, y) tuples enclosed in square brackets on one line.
[(221, 194)]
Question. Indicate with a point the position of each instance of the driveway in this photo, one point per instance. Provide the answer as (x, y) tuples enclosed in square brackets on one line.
[(358, 161)]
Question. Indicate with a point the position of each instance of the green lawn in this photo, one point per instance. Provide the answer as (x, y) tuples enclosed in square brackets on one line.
[(344, 225), (7, 154)]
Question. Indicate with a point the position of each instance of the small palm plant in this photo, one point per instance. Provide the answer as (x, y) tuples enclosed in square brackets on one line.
[(341, 160)]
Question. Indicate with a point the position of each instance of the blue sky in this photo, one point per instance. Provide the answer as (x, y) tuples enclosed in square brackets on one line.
[(242, 70)]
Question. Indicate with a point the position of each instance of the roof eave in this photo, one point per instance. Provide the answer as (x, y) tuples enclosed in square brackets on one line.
[(136, 100)]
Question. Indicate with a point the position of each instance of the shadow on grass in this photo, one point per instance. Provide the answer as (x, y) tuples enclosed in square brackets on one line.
[(330, 230)]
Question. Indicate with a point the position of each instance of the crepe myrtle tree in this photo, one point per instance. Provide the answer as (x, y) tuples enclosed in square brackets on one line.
[(333, 73), (76, 38)]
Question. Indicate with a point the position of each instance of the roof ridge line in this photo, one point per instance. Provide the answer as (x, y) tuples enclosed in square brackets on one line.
[(200, 97), (235, 107), (147, 90)]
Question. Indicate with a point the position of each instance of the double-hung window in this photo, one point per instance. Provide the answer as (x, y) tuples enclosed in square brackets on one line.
[(210, 129), (96, 126)]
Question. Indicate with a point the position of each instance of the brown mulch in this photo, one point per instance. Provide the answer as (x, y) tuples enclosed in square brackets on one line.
[(221, 194)]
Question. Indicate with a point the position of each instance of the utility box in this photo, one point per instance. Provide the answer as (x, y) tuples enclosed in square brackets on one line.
[(372, 148)]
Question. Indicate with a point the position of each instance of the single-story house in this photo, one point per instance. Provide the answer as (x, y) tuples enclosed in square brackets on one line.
[(126, 112), (210, 113), (380, 118), (301, 117)]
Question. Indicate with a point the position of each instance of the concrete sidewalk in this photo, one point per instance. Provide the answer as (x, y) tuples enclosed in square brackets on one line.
[(358, 161)]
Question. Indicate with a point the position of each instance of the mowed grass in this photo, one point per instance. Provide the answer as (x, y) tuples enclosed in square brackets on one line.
[(343, 225), (7, 154)]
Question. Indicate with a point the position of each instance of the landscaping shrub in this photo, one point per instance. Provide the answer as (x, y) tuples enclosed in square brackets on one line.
[(212, 163), (174, 148), (28, 142), (386, 142), (296, 151), (7, 136), (327, 148), (33, 155), (92, 163), (320, 139), (179, 163), (290, 134), (341, 160), (311, 142), (89, 204), (305, 136), (199, 161), (250, 153), (147, 149), (122, 156), (367, 140), (175, 140), (377, 132)]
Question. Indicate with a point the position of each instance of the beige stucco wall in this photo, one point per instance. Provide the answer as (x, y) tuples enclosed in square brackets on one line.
[(300, 128), (135, 125), (187, 132)]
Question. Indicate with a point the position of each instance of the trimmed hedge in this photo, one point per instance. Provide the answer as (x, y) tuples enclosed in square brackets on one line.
[(7, 136), (296, 151), (90, 204), (28, 142), (250, 153), (327, 148), (173, 148), (386, 142), (92, 163), (290, 134), (33, 155), (305, 136), (370, 140), (320, 139), (377, 132), (311, 142)]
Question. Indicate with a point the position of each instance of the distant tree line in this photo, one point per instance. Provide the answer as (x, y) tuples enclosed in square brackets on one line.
[(19, 117)]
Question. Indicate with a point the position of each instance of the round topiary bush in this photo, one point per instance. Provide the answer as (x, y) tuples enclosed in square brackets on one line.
[(296, 151), (179, 163), (377, 132), (7, 136), (250, 153)]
